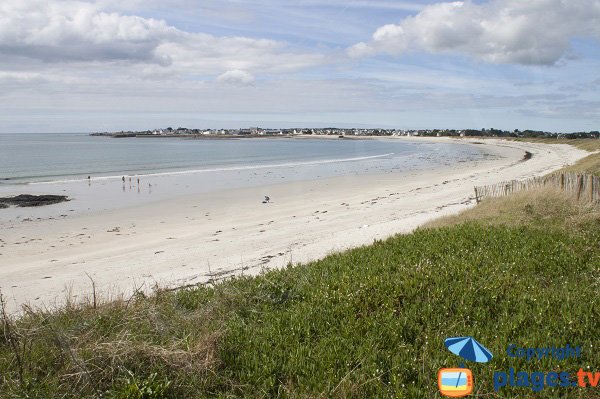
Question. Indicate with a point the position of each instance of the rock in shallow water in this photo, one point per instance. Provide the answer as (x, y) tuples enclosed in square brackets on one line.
[(28, 200)]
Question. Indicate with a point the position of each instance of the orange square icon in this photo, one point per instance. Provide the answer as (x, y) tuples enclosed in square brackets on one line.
[(455, 383)]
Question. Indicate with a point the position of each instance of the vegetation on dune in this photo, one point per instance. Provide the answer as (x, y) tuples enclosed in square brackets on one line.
[(369, 322), (589, 164), (542, 208)]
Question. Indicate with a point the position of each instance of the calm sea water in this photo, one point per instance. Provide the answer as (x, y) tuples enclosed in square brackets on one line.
[(157, 169), (58, 157)]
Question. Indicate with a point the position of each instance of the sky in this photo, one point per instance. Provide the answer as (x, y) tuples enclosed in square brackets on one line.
[(111, 65)]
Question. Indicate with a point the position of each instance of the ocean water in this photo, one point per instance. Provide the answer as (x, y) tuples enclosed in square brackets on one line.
[(30, 158), (166, 167)]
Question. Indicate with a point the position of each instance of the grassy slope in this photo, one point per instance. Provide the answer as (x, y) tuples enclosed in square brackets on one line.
[(589, 164), (543, 208)]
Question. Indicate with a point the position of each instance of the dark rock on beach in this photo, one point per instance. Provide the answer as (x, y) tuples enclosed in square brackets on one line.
[(28, 200)]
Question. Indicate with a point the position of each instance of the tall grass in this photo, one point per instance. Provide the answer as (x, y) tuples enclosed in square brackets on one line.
[(589, 164), (540, 208)]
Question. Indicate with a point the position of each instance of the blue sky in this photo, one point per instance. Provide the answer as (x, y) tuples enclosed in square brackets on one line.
[(70, 65)]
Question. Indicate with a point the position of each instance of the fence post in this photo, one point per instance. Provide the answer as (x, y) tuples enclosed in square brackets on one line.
[(591, 188), (562, 182), (476, 196), (579, 186)]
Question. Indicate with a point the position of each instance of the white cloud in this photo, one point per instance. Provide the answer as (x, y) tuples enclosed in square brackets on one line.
[(236, 77), (6, 76), (499, 31), (385, 5), (68, 31), (54, 31)]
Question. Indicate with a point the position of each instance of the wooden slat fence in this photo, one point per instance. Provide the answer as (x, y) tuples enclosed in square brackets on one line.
[(584, 186)]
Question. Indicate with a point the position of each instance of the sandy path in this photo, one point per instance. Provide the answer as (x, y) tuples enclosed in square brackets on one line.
[(189, 240)]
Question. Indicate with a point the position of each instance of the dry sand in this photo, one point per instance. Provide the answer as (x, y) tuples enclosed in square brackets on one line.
[(193, 239)]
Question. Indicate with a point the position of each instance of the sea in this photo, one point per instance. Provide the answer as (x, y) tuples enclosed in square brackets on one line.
[(88, 168)]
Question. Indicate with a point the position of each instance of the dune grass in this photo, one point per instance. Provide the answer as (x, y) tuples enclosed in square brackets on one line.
[(369, 322), (542, 208), (589, 164)]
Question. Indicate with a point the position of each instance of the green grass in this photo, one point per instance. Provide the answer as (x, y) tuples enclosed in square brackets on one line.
[(369, 322)]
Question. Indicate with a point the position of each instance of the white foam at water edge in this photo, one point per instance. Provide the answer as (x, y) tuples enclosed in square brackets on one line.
[(226, 169)]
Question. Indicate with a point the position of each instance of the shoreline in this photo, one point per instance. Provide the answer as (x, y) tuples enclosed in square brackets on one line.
[(119, 189), (9, 183), (193, 239)]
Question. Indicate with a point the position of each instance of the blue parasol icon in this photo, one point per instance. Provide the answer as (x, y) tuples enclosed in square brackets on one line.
[(469, 349)]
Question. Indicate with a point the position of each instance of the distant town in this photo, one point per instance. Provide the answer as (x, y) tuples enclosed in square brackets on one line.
[(342, 133)]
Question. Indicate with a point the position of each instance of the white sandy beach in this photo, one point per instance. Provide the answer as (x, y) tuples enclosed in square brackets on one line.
[(191, 239)]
